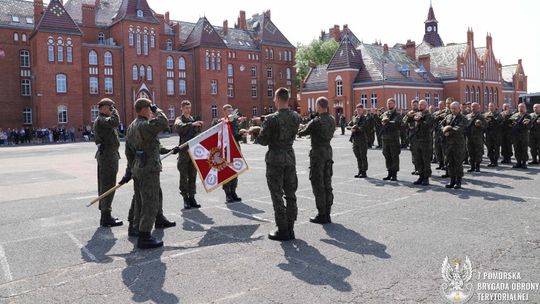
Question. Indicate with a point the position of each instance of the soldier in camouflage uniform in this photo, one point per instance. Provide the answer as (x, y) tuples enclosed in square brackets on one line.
[(454, 128), (420, 135), (493, 136), (321, 130), (187, 128), (506, 134), (476, 125), (106, 138), (449, 101), (409, 124), (438, 117), (391, 124), (534, 135), (278, 132), (359, 139), (378, 126), (370, 127), (520, 135), (142, 151)]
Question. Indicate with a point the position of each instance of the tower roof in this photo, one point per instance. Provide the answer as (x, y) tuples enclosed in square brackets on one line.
[(431, 15), (204, 34), (57, 20), (130, 8), (346, 56)]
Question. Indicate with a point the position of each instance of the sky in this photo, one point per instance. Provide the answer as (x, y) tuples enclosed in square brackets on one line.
[(514, 25)]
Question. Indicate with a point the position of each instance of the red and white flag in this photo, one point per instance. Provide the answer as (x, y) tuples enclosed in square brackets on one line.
[(216, 156)]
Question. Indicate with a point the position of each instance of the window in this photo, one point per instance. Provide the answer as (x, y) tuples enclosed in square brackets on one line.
[(109, 88), (24, 59), (15, 19), (181, 64), (153, 40), (373, 100), (363, 100), (339, 87), (230, 90), (486, 100), (289, 74), (149, 73), (253, 90), (253, 72), (69, 54), (213, 61), (145, 44), (170, 87), (207, 60), (270, 90), (94, 112), (272, 54), (26, 87), (138, 43), (29, 20), (169, 45), (140, 13), (269, 73), (435, 99), (214, 111), (23, 37), (135, 72), (15, 36), (254, 111), (170, 63), (266, 54), (27, 116), (230, 70), (130, 38), (279, 55), (92, 58), (219, 61), (142, 72), (61, 83), (214, 87), (60, 53), (94, 86), (62, 114), (428, 98), (101, 38), (182, 88)]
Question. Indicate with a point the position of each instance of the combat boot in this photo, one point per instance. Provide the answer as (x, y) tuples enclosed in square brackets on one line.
[(517, 165), (280, 235), (458, 183), (358, 175), (440, 167), (146, 241), (132, 230), (163, 222), (235, 197), (523, 165), (108, 221), (419, 180), (477, 168), (425, 181), (452, 183), (389, 176), (187, 205), (319, 219), (363, 174), (193, 203), (290, 227), (506, 160), (228, 197), (394, 176), (472, 167)]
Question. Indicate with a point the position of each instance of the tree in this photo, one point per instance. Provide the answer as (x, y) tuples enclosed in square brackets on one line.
[(315, 53)]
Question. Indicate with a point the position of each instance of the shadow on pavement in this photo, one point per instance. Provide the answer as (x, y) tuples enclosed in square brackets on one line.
[(352, 241), (99, 245), (465, 193), (244, 208), (197, 216)]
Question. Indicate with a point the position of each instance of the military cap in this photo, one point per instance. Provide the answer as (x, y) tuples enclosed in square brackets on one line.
[(105, 102), (142, 103)]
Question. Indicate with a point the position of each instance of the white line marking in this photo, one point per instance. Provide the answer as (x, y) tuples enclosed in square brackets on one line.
[(5, 265), (85, 197), (82, 247), (351, 193), (245, 214)]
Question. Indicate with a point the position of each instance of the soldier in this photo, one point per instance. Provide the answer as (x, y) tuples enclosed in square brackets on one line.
[(342, 123), (370, 127), (187, 128), (493, 136), (322, 130), (455, 125), (506, 134), (391, 124), (377, 120), (142, 150), (420, 136), (106, 138), (278, 132), (476, 125), (520, 135), (230, 187), (534, 135), (438, 117), (408, 126), (449, 101), (359, 139)]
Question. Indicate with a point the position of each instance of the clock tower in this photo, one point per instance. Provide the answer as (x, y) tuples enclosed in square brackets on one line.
[(431, 34)]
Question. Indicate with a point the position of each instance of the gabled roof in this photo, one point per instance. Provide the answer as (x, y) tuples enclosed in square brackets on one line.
[(317, 79), (355, 41), (481, 52), (443, 59), (57, 20), (105, 12), (128, 10), (203, 34), (19, 8), (262, 27), (508, 72), (346, 56), (237, 39)]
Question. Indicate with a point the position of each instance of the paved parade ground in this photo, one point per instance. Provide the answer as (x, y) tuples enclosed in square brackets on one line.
[(386, 245)]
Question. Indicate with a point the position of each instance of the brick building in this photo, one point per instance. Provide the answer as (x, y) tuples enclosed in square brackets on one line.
[(59, 59), (371, 73)]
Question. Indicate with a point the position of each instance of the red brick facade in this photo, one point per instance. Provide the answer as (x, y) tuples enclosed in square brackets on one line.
[(123, 50)]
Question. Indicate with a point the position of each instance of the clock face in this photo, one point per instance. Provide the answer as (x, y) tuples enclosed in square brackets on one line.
[(429, 28)]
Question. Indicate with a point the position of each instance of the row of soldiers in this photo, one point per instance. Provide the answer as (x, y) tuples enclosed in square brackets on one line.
[(450, 136)]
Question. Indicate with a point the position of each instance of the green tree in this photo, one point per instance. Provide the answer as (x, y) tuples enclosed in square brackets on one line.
[(315, 53)]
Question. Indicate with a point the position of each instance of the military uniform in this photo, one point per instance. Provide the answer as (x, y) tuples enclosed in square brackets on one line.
[(143, 152), (390, 139), (493, 137), (534, 138), (506, 137), (438, 118), (378, 126), (455, 147), (359, 139), (476, 125), (408, 126), (421, 145), (321, 129), (370, 129), (278, 132), (188, 173), (520, 136), (107, 156)]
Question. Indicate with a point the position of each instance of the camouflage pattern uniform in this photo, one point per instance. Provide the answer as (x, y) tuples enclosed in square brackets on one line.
[(520, 136), (534, 138), (359, 139), (506, 137), (493, 137), (408, 126), (455, 145), (476, 125), (421, 145), (438, 117), (390, 139), (188, 173)]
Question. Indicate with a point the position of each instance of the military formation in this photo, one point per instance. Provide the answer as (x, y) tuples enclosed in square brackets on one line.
[(452, 135)]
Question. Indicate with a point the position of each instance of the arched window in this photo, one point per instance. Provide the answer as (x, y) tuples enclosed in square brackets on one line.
[(15, 36), (491, 95), (149, 73), (101, 38), (145, 44), (152, 39), (69, 54), (207, 60), (266, 53), (486, 95), (289, 75), (135, 72), (230, 70), (61, 83), (467, 93), (181, 64), (23, 37), (142, 71), (478, 94), (272, 54), (138, 43), (24, 57), (170, 63), (496, 96), (92, 58), (107, 58), (62, 114), (131, 38), (339, 86), (219, 61), (50, 50), (213, 61)]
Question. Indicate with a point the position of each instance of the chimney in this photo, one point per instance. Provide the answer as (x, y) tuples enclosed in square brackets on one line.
[(345, 28), (489, 41), (167, 18), (385, 49), (225, 27), (519, 61), (38, 10), (268, 14), (410, 49), (242, 21), (177, 30), (425, 60), (335, 33), (88, 15), (470, 37)]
